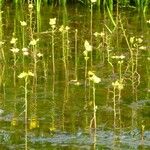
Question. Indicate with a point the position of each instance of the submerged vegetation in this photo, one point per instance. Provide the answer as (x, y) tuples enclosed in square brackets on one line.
[(75, 76)]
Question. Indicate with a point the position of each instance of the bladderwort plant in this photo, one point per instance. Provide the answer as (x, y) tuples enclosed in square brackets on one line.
[(101, 39), (75, 81), (24, 50), (91, 27), (117, 87), (88, 48), (30, 9), (33, 44), (65, 48), (76, 54), (94, 79), (26, 76), (52, 23), (15, 50)]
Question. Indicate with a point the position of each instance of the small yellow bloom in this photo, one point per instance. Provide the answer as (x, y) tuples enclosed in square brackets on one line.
[(122, 56), (22, 75), (142, 47), (132, 40), (67, 28), (25, 74), (33, 42), (52, 21), (30, 6), (139, 40), (1, 43), (148, 21), (87, 46), (25, 53), (90, 73), (93, 1), (93, 77), (61, 28), (96, 34), (102, 34), (14, 50), (13, 40), (23, 23), (40, 55), (25, 49), (85, 53), (120, 62), (30, 73)]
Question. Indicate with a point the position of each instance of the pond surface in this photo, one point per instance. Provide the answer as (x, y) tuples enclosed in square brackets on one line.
[(85, 84)]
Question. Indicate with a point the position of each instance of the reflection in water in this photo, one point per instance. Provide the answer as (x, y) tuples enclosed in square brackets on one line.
[(64, 103)]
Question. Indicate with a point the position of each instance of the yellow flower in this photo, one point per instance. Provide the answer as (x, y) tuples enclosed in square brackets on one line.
[(1, 43), (93, 1), (139, 40), (148, 21), (87, 46), (30, 73), (22, 75), (118, 84), (40, 55), (61, 28), (33, 42), (13, 40), (30, 6), (25, 74), (132, 40), (52, 21), (14, 50), (23, 23), (142, 47), (90, 73), (93, 77), (25, 51), (85, 53), (67, 28), (96, 34)]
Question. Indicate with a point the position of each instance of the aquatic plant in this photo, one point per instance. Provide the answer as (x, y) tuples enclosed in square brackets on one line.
[(15, 51), (25, 50), (33, 44), (117, 88), (26, 76), (52, 23), (91, 28), (65, 47), (88, 48), (94, 79)]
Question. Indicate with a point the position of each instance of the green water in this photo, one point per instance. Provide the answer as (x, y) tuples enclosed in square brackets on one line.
[(59, 108)]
